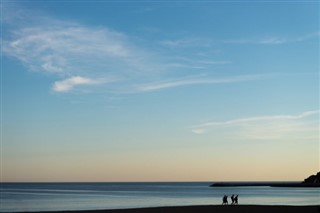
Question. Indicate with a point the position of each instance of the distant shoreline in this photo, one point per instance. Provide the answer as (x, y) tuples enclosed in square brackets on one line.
[(206, 209), (271, 184)]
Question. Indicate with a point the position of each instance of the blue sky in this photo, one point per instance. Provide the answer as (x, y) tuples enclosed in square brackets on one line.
[(159, 90)]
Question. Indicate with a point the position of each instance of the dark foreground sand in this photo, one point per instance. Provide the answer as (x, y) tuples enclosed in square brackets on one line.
[(212, 209)]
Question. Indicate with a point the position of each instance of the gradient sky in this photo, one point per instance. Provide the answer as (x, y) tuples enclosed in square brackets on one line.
[(159, 90)]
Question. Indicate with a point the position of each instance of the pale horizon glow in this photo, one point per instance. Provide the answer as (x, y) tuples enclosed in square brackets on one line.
[(159, 91)]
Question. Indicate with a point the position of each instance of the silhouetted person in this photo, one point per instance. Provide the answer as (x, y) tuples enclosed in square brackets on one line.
[(225, 200), (232, 199), (236, 200)]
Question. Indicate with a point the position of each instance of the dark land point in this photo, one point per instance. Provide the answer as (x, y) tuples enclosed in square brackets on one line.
[(211, 209), (311, 181), (271, 184)]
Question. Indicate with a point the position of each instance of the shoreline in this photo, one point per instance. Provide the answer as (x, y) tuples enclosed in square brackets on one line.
[(204, 209)]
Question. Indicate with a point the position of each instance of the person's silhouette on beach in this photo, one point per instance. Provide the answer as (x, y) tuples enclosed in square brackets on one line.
[(235, 198), (225, 200), (232, 199)]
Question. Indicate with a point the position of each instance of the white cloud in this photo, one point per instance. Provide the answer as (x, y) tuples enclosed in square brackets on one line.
[(283, 129), (55, 48), (64, 49), (69, 49), (68, 84), (259, 118), (208, 42), (54, 64), (198, 131), (273, 40), (267, 127), (212, 62), (194, 81), (187, 42), (195, 64)]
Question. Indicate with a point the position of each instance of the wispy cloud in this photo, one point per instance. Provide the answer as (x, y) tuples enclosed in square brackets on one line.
[(263, 40), (203, 63), (69, 84), (259, 118), (188, 42), (265, 127), (53, 48), (67, 49), (273, 40), (194, 81)]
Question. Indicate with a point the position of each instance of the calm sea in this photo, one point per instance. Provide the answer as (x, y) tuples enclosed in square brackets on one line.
[(84, 196)]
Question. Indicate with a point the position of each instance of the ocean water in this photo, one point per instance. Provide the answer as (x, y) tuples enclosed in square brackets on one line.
[(16, 197)]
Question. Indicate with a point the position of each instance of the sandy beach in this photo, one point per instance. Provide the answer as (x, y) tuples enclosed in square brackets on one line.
[(211, 209)]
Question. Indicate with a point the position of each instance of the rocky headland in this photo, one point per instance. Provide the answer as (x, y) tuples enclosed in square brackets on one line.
[(315, 179)]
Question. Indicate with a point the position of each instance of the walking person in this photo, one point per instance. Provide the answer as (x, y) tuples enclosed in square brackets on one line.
[(232, 199), (225, 200), (236, 200)]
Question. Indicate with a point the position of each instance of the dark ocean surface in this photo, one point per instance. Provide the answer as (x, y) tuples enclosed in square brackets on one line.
[(89, 196)]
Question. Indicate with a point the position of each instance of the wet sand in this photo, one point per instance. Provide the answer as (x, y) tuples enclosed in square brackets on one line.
[(211, 209)]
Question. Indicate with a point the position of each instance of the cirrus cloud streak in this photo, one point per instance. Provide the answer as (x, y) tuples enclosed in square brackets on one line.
[(273, 127), (195, 81)]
